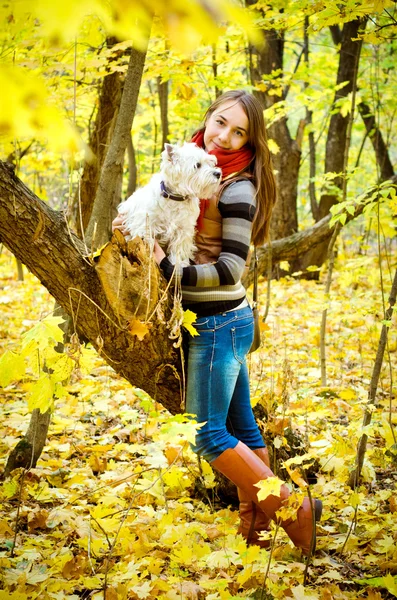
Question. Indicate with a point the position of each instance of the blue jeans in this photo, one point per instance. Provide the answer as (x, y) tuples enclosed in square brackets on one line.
[(218, 384)]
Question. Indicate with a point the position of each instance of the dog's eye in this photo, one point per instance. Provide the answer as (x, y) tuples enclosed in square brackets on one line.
[(198, 165)]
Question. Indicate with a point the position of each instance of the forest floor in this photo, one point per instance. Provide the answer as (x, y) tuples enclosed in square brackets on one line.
[(113, 503)]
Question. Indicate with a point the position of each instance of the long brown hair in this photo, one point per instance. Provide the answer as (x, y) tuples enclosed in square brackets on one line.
[(261, 166)]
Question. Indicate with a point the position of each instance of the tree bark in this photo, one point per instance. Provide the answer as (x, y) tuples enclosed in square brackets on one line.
[(386, 170), (265, 58), (28, 450), (162, 88), (335, 153), (40, 238), (108, 193), (99, 139), (132, 171)]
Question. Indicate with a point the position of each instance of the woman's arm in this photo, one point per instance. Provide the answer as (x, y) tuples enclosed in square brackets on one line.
[(237, 207)]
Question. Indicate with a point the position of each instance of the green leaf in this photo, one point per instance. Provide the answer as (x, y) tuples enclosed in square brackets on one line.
[(389, 582)]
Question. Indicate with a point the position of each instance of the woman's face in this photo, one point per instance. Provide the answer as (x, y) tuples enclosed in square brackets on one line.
[(227, 127)]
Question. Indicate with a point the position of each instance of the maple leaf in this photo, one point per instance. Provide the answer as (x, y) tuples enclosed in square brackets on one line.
[(189, 317), (41, 394), (45, 332), (12, 368), (37, 519), (138, 328), (269, 487), (300, 593), (10, 488), (388, 581), (296, 477)]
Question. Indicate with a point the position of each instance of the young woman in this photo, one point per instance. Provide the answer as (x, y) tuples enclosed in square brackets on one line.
[(217, 376)]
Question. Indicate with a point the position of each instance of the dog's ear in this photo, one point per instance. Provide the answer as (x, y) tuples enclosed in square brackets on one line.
[(170, 152)]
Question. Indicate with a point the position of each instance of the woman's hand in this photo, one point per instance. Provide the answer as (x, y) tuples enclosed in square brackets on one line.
[(158, 252), (118, 223)]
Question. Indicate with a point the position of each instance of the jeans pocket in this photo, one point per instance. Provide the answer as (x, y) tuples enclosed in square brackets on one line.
[(201, 324), (242, 337)]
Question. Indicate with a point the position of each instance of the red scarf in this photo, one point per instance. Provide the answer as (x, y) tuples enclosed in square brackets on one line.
[(230, 161)]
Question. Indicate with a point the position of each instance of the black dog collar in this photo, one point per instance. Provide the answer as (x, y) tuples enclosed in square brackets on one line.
[(166, 194)]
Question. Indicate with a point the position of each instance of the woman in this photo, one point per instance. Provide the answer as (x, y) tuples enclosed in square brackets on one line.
[(217, 376)]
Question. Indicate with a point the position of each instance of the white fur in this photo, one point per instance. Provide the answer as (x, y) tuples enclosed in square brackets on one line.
[(188, 171)]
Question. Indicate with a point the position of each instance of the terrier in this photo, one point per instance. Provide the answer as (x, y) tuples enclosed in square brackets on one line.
[(167, 207)]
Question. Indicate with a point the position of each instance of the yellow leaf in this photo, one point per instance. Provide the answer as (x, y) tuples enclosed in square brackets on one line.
[(347, 394), (12, 368), (354, 499), (183, 556), (284, 265), (269, 487), (263, 326), (138, 328), (390, 584), (5, 529), (189, 317), (99, 251), (274, 149), (312, 268), (44, 333), (296, 477), (300, 593), (10, 488), (41, 394), (289, 508)]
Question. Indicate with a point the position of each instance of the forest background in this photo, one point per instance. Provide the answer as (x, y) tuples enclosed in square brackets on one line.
[(109, 502)]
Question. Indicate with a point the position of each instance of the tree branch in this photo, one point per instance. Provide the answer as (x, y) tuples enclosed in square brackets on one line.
[(39, 237)]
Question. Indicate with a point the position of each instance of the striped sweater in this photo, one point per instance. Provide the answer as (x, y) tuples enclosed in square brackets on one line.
[(208, 289)]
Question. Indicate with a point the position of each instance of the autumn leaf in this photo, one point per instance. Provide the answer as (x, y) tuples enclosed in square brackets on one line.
[(45, 332), (12, 368), (189, 317), (138, 328), (269, 487), (37, 519), (296, 477)]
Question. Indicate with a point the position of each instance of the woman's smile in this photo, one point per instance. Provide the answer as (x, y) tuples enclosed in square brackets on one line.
[(226, 128)]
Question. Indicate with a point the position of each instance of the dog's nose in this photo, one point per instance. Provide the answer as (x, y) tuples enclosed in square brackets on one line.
[(218, 174)]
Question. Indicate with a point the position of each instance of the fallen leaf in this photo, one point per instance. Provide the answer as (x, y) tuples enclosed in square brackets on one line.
[(37, 519)]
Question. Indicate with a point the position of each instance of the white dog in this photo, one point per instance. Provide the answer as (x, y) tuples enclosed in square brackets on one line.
[(167, 207)]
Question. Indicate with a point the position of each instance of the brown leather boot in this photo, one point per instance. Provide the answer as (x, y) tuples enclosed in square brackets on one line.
[(245, 469), (252, 518)]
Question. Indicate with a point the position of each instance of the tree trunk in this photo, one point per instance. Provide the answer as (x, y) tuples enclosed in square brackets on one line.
[(335, 153), (108, 193), (265, 58), (300, 243), (100, 136), (39, 237), (132, 171), (162, 88), (20, 270), (28, 450), (386, 170)]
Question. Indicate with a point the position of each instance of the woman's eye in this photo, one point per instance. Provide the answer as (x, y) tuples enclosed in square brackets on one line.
[(239, 133)]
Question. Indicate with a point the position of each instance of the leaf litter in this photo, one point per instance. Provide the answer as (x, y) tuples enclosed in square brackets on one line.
[(111, 510)]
